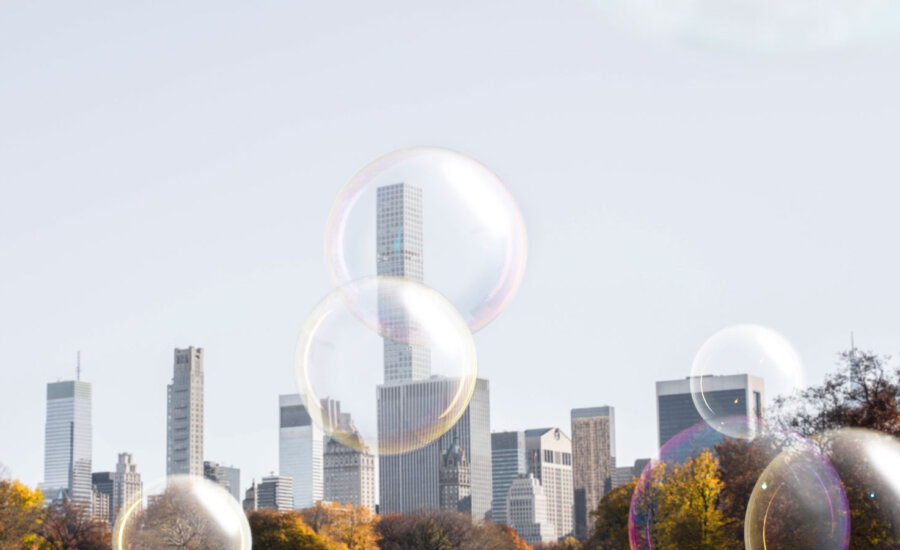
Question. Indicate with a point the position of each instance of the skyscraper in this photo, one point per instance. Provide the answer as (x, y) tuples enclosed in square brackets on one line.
[(455, 480), (411, 481), (67, 441), (349, 473), (738, 394), (300, 451), (228, 477), (127, 486), (276, 493), (508, 463), (593, 462), (527, 510), (184, 433), (549, 455), (104, 483)]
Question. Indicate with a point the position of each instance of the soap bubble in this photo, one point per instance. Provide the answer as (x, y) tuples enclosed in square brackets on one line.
[(761, 25), (684, 459), (736, 369), (182, 512), (868, 463), (435, 216), (798, 502), (384, 365)]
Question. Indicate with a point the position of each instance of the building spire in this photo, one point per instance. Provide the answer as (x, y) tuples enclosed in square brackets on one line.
[(78, 366)]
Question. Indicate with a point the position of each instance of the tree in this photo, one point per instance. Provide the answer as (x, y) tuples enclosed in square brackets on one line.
[(272, 530), (352, 526), (568, 543), (69, 526), (611, 520), (21, 512)]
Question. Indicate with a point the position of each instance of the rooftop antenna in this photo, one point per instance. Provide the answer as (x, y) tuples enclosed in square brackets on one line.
[(852, 345), (78, 366)]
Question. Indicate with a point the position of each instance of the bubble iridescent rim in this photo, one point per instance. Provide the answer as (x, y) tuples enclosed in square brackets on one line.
[(516, 250), (423, 296), (132, 507)]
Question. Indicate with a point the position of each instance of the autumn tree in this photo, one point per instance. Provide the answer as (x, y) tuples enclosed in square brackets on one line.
[(21, 512), (611, 520), (272, 530), (352, 526), (68, 525)]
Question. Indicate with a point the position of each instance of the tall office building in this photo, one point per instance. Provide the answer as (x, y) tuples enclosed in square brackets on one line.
[(300, 451), (528, 512), (549, 456), (184, 433), (349, 473), (738, 394), (67, 442), (228, 477), (593, 462), (128, 485), (104, 483), (507, 463), (411, 481), (624, 474), (99, 505), (276, 493), (455, 480)]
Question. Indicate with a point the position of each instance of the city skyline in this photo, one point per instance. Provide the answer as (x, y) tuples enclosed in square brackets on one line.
[(178, 197)]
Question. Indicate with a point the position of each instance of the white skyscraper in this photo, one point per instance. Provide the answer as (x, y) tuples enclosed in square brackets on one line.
[(411, 481), (127, 485), (527, 511), (549, 454), (67, 441), (184, 437), (300, 451)]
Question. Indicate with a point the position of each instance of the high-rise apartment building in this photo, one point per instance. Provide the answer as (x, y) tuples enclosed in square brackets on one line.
[(349, 472), (549, 456), (527, 510), (411, 481), (104, 483), (738, 395), (593, 462), (99, 505), (275, 492), (508, 463), (300, 451), (228, 477), (127, 485), (455, 480), (184, 434), (67, 442)]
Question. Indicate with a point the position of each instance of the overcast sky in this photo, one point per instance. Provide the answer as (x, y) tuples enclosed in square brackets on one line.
[(167, 169)]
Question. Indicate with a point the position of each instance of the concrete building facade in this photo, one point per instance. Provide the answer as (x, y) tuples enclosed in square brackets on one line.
[(593, 462), (549, 455), (527, 510)]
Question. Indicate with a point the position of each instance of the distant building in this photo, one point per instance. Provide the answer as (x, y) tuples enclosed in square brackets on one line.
[(128, 485), (456, 480), (300, 451), (508, 463), (104, 482), (275, 492), (228, 477), (99, 505), (593, 462), (349, 472), (527, 511), (67, 441), (250, 502), (411, 481), (549, 455), (625, 474), (738, 394), (184, 405)]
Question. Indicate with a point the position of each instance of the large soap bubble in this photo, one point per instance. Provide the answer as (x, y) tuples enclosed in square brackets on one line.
[(435, 216), (691, 459), (868, 463), (182, 512), (798, 502), (734, 360), (761, 25), (384, 365)]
